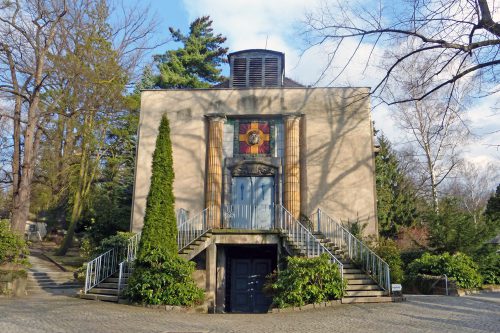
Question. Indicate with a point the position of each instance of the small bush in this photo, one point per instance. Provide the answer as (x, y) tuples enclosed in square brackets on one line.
[(458, 267), (120, 240), (489, 267), (86, 248), (163, 279), (410, 255), (389, 252), (307, 281), (13, 248)]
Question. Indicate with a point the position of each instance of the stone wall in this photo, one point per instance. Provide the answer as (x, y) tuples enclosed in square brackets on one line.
[(335, 137)]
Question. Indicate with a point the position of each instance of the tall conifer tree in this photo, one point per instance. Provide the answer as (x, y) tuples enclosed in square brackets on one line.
[(160, 228), (395, 196)]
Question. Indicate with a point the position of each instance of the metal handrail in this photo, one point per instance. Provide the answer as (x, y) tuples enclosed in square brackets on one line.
[(195, 227), (107, 264), (182, 216), (311, 245), (355, 249), (249, 217)]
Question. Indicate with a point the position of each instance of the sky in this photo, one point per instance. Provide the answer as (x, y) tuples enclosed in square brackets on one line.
[(274, 24)]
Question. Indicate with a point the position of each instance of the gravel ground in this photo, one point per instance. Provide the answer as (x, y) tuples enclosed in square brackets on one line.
[(56, 313)]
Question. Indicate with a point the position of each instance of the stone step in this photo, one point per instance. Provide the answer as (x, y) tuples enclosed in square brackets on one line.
[(110, 285), (364, 281), (115, 280), (382, 299), (98, 297), (352, 270), (365, 293), (124, 275), (355, 276), (352, 287), (42, 274), (56, 286), (45, 277), (103, 291), (47, 283)]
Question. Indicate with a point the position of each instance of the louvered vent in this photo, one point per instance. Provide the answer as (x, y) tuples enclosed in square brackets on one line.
[(271, 72), (239, 72), (256, 68), (255, 72)]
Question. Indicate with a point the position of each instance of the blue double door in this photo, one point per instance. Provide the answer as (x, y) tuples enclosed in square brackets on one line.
[(252, 203)]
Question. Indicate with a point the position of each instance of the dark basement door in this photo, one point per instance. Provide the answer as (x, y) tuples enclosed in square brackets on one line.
[(247, 280)]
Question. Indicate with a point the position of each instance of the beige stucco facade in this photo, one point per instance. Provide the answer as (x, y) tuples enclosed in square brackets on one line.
[(335, 153)]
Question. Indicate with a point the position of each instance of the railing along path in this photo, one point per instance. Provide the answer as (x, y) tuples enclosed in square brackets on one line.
[(108, 263), (300, 235), (355, 249)]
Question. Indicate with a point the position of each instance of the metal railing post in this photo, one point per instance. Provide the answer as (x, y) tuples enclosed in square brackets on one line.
[(120, 278), (319, 220)]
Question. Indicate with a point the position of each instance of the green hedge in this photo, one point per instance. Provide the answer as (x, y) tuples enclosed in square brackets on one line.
[(164, 279), (458, 267), (13, 248), (306, 281)]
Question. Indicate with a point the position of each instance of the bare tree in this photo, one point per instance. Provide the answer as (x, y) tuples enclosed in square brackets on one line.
[(433, 127), (474, 185), (460, 37), (33, 33), (27, 29)]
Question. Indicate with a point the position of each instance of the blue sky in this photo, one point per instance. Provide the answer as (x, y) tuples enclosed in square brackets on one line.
[(253, 23)]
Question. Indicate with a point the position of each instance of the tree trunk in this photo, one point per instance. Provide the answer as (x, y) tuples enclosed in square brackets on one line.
[(20, 211), (86, 177), (432, 174)]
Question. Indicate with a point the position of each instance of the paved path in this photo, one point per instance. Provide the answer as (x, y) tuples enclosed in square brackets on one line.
[(45, 277), (479, 313)]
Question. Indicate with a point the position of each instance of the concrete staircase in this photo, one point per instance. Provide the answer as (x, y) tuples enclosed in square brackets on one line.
[(361, 288), (45, 277), (197, 246), (107, 290)]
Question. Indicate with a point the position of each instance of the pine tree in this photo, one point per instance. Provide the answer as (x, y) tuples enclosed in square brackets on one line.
[(492, 211), (395, 196), (160, 228), (197, 63)]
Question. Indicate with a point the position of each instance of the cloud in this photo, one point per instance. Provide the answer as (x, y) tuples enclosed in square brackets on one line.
[(276, 24)]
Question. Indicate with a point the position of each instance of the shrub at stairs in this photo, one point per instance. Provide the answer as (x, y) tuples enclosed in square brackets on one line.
[(164, 279), (307, 281), (458, 267), (389, 252)]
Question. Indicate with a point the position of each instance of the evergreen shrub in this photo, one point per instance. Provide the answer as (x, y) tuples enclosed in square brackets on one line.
[(161, 278), (389, 252), (307, 281), (458, 267), (489, 268)]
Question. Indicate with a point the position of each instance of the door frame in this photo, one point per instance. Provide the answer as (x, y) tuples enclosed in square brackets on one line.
[(252, 167)]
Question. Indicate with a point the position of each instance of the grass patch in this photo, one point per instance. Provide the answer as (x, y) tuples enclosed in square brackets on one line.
[(71, 261)]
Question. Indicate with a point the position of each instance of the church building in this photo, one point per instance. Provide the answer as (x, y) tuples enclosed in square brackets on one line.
[(259, 163)]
